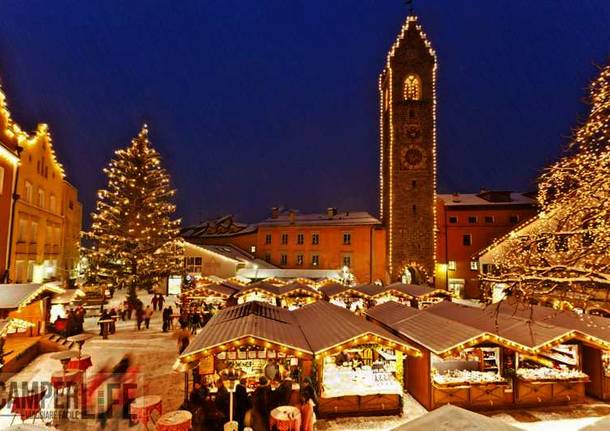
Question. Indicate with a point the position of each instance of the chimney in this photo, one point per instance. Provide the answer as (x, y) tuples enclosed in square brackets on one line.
[(292, 216), (275, 212), (456, 197), (331, 212)]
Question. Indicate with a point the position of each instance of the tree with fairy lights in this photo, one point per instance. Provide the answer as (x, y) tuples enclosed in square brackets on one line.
[(133, 236), (563, 253)]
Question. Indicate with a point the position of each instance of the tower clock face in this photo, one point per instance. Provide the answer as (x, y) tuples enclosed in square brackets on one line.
[(413, 157)]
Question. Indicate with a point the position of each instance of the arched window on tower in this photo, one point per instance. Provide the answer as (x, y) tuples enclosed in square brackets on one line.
[(412, 88)]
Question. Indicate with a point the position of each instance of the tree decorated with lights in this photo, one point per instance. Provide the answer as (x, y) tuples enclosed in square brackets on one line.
[(133, 236), (564, 252)]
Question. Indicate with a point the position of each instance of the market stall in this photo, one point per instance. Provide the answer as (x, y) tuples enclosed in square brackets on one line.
[(295, 295), (251, 340), (415, 295), (347, 297), (260, 291), (210, 297), (359, 366)]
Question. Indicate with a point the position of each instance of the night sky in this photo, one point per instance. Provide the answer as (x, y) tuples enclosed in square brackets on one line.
[(258, 103)]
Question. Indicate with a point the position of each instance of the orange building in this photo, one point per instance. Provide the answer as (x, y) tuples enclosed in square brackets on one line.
[(10, 137), (467, 223), (291, 240), (40, 216)]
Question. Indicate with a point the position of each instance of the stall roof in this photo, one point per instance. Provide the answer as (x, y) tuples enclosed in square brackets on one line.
[(438, 334), (416, 290), (528, 333), (371, 289), (297, 286), (390, 313), (333, 288), (252, 319), (260, 285), (221, 289), (327, 326), (70, 295), (19, 295)]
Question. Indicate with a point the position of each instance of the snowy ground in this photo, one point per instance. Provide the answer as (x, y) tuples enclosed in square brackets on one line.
[(155, 352)]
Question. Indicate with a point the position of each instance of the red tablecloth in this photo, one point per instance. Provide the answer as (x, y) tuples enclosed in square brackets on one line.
[(180, 420), (285, 418), (72, 377), (142, 408), (81, 363), (28, 405)]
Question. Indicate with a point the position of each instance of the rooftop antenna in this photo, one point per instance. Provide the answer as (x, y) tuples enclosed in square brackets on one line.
[(410, 5)]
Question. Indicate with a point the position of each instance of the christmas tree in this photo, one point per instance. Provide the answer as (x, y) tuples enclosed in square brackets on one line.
[(133, 236), (563, 253)]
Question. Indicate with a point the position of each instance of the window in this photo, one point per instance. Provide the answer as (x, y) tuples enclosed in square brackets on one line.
[(413, 184), (71, 205), (52, 203), (267, 258), (284, 238), (467, 239), (514, 219), (268, 238), (252, 249), (28, 191), (1, 179), (412, 88), (48, 238), (22, 227), (284, 259), (300, 260), (451, 265), (472, 220), (414, 209), (474, 265), (300, 239), (41, 198), (347, 238), (315, 260), (485, 268), (453, 220), (315, 238), (347, 260), (489, 219), (34, 232)]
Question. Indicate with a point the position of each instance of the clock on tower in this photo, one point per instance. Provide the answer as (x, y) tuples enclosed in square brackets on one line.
[(408, 154)]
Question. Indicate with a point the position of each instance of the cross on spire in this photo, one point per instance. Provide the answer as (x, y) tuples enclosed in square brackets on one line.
[(410, 5)]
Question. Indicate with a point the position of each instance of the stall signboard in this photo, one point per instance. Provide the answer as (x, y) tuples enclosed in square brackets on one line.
[(174, 285), (206, 365)]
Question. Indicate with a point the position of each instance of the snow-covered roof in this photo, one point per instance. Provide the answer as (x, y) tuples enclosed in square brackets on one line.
[(343, 218), (20, 295), (262, 273), (492, 198)]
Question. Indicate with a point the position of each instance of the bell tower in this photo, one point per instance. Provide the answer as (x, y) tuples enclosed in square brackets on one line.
[(407, 169)]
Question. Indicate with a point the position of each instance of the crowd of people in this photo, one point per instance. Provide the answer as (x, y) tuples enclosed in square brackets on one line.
[(211, 411), (73, 323)]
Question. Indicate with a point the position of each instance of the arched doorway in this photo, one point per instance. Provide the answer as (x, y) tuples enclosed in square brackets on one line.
[(413, 273)]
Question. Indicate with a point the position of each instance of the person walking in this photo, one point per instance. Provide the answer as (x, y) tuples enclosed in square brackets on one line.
[(165, 316), (113, 316), (160, 301), (261, 403), (154, 301), (308, 416), (242, 403), (148, 313), (139, 317)]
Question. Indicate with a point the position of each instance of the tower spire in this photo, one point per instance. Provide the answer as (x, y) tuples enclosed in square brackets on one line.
[(410, 6)]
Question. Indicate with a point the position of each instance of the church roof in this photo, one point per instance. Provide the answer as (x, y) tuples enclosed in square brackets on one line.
[(347, 218)]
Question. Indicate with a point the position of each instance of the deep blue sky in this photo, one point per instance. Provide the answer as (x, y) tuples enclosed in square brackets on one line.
[(259, 103)]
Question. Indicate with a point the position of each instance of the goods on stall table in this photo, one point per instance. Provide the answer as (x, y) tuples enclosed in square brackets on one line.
[(466, 376), (606, 362), (285, 418), (344, 380), (545, 373)]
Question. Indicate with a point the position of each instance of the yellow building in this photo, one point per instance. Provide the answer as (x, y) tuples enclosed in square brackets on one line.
[(43, 246)]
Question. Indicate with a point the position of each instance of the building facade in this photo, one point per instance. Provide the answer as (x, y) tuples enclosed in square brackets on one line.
[(42, 231), (467, 224), (408, 154), (291, 240), (9, 162)]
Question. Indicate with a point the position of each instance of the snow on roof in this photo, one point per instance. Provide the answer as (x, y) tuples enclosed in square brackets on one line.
[(20, 295), (344, 218), (486, 198)]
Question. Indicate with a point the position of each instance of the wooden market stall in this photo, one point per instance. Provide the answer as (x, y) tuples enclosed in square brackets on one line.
[(417, 295), (358, 364), (346, 296), (260, 291), (485, 358), (212, 297), (246, 338), (296, 294)]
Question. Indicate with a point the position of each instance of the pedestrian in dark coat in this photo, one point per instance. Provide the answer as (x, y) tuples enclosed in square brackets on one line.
[(242, 403), (160, 301), (139, 317), (154, 302)]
